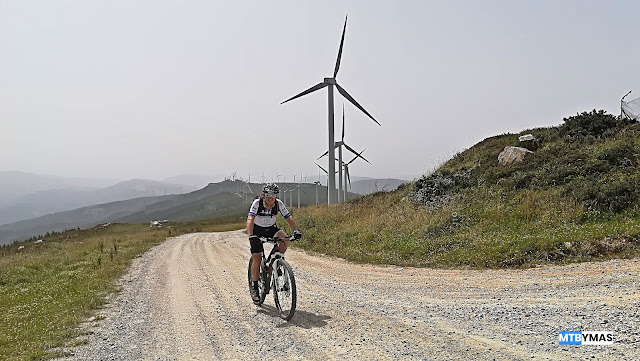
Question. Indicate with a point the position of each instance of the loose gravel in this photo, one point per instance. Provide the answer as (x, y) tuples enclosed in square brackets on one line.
[(187, 299)]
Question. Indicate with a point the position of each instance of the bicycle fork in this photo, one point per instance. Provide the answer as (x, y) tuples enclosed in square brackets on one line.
[(270, 272)]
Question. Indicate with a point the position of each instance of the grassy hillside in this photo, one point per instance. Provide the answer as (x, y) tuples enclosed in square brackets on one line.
[(576, 198), (215, 200), (48, 288)]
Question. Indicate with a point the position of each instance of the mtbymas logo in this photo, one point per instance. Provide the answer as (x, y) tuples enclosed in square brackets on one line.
[(585, 338)]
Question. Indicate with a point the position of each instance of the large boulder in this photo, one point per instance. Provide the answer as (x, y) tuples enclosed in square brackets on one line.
[(512, 154)]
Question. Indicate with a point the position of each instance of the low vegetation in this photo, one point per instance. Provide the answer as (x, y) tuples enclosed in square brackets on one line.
[(576, 198), (47, 288)]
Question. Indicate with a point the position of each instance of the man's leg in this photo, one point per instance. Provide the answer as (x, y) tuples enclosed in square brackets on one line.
[(256, 259), (255, 266), (283, 245)]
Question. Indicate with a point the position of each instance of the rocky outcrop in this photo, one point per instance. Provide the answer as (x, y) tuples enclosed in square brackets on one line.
[(512, 154)]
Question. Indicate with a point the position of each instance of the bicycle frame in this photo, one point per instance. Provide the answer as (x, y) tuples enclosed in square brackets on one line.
[(268, 262)]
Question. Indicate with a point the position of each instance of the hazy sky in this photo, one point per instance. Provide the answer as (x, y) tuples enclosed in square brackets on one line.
[(153, 89)]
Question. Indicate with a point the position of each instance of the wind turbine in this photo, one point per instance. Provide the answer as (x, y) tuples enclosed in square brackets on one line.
[(248, 186), (325, 171), (316, 183), (330, 83), (340, 162), (347, 178), (299, 186)]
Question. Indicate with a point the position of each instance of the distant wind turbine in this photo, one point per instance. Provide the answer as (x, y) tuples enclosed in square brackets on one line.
[(347, 177), (340, 162), (324, 170), (330, 83)]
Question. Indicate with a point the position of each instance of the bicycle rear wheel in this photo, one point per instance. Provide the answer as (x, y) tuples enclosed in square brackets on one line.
[(284, 289), (261, 283)]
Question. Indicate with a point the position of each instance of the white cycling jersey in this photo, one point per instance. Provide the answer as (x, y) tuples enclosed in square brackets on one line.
[(267, 217)]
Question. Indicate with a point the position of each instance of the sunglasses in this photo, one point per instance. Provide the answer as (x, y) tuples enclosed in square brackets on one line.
[(269, 195)]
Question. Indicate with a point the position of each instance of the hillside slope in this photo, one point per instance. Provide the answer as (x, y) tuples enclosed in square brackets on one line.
[(215, 200), (51, 201), (575, 198)]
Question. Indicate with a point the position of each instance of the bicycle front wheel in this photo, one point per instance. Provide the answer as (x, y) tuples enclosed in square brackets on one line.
[(284, 289)]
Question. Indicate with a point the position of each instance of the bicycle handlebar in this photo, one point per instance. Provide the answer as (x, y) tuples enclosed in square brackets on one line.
[(276, 239)]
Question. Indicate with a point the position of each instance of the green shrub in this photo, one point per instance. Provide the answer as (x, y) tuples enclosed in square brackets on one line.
[(437, 188), (614, 193), (595, 123)]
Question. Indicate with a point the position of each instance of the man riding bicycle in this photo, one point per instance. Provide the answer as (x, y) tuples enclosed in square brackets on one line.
[(261, 222)]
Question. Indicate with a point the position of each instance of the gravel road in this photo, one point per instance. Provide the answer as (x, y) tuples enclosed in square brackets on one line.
[(187, 299)]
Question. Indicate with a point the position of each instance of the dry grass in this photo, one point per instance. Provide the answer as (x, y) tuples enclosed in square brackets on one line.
[(48, 288)]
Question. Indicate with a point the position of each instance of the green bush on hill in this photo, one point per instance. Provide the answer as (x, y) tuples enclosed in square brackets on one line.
[(594, 123)]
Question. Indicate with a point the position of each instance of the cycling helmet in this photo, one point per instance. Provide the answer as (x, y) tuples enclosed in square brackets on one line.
[(271, 188)]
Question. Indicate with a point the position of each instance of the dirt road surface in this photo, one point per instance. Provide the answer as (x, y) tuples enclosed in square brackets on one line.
[(187, 299)]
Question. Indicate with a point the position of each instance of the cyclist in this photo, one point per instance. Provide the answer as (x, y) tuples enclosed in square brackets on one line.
[(261, 222)]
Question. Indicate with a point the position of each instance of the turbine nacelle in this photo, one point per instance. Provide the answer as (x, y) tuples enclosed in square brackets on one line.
[(330, 81)]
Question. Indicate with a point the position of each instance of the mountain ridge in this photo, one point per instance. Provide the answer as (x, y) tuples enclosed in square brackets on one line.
[(43, 202)]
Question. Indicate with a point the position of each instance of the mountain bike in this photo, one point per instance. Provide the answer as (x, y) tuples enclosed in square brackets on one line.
[(276, 274)]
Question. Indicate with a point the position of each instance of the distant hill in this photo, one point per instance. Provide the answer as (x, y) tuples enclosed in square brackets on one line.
[(15, 184), (366, 185), (83, 217), (50, 201), (195, 181), (214, 200)]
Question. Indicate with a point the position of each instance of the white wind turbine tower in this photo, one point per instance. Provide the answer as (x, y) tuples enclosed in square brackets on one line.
[(347, 177), (325, 171), (248, 186), (291, 196), (293, 189), (330, 83), (299, 186), (318, 181), (290, 191), (340, 162)]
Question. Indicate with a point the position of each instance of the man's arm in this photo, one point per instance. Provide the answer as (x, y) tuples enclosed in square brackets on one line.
[(250, 220), (292, 223)]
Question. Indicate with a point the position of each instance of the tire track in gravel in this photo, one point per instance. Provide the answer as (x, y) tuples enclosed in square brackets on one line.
[(187, 299)]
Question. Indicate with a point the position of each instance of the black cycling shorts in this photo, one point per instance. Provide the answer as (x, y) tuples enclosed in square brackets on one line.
[(256, 246)]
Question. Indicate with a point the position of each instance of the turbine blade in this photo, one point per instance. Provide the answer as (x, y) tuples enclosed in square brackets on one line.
[(310, 90), (358, 155), (346, 170), (343, 122), (350, 149), (319, 166), (354, 102), (323, 154), (335, 73)]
